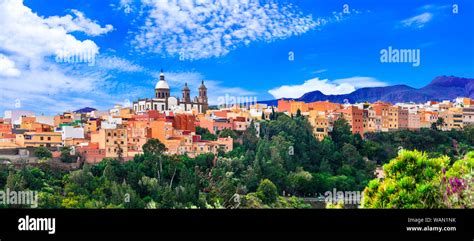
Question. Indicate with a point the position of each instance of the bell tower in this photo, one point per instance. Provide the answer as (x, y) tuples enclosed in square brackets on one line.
[(202, 98), (186, 94)]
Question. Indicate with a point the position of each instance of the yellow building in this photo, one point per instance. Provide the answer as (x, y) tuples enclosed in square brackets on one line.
[(427, 118), (111, 140), (374, 122), (37, 139), (320, 123), (452, 118), (27, 123), (92, 125), (393, 112)]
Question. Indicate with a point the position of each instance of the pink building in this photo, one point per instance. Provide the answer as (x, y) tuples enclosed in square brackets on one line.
[(413, 121), (402, 118), (215, 125)]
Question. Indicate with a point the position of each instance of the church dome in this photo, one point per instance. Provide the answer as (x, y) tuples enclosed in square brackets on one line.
[(162, 84)]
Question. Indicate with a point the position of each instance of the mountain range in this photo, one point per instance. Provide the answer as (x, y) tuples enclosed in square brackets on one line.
[(440, 88)]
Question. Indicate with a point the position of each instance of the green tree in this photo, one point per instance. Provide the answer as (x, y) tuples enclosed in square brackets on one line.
[(267, 191), (43, 153), (109, 173), (153, 151), (205, 134), (153, 147), (411, 181), (66, 154), (299, 182), (226, 132), (250, 138), (298, 113), (341, 132), (438, 124)]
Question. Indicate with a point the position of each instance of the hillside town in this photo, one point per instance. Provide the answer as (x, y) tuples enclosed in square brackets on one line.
[(122, 131)]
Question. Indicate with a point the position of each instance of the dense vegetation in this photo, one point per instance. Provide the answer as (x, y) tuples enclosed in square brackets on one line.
[(272, 170), (384, 146), (413, 180)]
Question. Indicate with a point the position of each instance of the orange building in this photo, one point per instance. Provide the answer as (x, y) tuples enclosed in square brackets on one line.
[(324, 106), (215, 125), (427, 118), (184, 122), (91, 153), (382, 109), (161, 129), (5, 129), (292, 106), (92, 125), (65, 118), (354, 117)]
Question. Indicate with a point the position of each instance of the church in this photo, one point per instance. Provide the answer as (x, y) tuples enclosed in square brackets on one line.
[(164, 102)]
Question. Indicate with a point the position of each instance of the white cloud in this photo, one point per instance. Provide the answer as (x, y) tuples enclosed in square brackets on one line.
[(26, 34), (28, 43), (418, 21), (327, 87), (7, 67), (78, 23), (361, 82), (116, 63), (319, 71), (209, 28)]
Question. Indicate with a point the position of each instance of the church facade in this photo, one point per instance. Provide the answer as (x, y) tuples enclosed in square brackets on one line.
[(164, 102)]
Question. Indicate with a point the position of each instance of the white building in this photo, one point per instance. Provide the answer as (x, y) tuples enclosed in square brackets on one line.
[(164, 102), (70, 132), (47, 120), (15, 115)]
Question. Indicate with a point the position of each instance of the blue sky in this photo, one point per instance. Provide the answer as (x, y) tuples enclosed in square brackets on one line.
[(266, 49)]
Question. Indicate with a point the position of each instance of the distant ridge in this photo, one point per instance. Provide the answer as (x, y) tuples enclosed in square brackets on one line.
[(85, 110), (440, 88)]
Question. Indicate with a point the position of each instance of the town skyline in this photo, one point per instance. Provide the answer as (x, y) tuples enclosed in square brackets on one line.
[(170, 113), (224, 101), (276, 57)]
